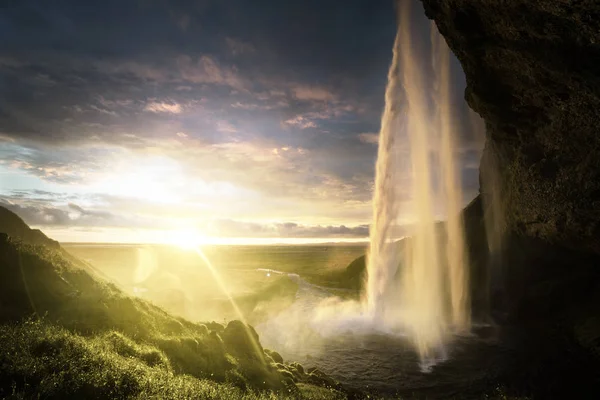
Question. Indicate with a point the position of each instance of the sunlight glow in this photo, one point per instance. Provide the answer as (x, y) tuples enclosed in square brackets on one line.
[(187, 239), (155, 179)]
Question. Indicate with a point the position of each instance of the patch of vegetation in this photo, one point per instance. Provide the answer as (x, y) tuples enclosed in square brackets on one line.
[(42, 360), (88, 339)]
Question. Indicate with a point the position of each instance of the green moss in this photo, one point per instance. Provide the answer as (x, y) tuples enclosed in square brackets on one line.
[(40, 360), (89, 340)]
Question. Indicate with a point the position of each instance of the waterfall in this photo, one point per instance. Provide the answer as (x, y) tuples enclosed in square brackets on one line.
[(420, 285)]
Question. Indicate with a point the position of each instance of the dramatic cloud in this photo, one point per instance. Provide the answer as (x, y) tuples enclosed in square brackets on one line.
[(172, 108), (312, 93), (301, 122), (48, 216), (184, 113), (206, 70)]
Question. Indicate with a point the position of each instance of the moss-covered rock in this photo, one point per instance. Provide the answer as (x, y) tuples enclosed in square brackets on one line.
[(241, 340), (275, 356)]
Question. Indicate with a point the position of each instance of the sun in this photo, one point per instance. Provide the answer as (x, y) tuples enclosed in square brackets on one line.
[(187, 239)]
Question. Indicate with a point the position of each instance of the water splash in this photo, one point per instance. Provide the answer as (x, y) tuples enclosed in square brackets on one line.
[(427, 296)]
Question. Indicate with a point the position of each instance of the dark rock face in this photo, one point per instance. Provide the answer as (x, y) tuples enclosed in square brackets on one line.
[(533, 74), (477, 250)]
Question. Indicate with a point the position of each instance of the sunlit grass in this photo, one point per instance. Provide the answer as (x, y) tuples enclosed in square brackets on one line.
[(93, 341), (39, 360)]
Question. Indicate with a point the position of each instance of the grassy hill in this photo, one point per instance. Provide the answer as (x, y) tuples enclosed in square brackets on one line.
[(65, 333), (14, 226)]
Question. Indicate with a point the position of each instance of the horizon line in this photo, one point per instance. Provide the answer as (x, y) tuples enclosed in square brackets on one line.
[(233, 242)]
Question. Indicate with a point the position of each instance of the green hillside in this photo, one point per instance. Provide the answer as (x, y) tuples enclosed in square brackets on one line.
[(67, 334)]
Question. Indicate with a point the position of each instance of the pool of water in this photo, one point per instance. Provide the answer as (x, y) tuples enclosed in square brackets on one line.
[(344, 345)]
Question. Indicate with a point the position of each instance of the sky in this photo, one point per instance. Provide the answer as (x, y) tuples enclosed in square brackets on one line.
[(148, 120)]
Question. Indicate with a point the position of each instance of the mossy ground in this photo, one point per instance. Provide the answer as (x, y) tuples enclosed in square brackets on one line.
[(73, 336), (41, 360)]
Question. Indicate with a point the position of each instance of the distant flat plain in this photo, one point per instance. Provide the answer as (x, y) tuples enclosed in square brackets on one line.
[(181, 281)]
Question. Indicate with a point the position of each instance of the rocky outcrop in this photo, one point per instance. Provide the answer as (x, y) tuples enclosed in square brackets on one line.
[(533, 73)]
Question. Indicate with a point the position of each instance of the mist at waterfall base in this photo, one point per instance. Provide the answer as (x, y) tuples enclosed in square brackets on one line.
[(416, 296)]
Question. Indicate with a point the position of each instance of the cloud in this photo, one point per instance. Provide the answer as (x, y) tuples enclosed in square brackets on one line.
[(89, 213), (371, 138), (103, 111), (267, 102), (163, 107), (179, 87), (236, 229), (226, 127), (300, 122), (141, 70), (238, 47), (248, 106), (48, 210), (309, 119), (312, 93), (207, 70), (39, 214)]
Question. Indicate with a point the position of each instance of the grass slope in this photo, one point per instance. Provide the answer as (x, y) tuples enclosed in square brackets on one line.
[(89, 340), (46, 361)]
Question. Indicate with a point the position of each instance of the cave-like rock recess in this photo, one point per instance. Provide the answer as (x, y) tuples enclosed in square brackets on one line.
[(533, 73)]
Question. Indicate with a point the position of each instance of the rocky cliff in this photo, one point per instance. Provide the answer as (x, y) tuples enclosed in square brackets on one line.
[(533, 73)]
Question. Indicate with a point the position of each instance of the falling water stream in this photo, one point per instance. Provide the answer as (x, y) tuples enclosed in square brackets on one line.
[(421, 289)]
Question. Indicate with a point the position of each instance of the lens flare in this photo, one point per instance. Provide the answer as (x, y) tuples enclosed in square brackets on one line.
[(227, 293)]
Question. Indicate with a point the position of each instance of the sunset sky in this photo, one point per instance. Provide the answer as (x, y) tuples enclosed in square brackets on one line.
[(142, 120)]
